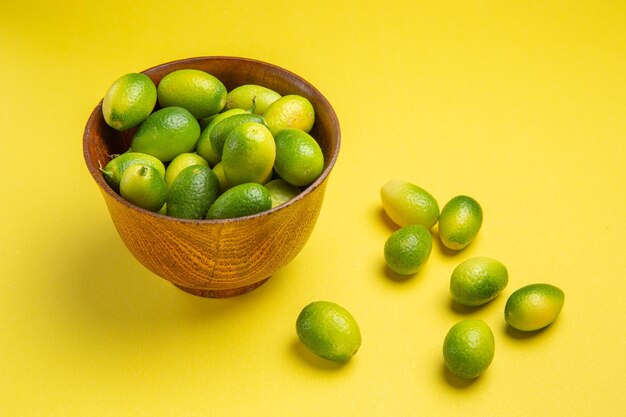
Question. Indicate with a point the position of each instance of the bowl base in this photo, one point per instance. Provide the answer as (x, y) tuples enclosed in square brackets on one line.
[(231, 292)]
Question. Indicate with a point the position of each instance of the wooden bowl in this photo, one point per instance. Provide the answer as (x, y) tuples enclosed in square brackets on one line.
[(218, 258)]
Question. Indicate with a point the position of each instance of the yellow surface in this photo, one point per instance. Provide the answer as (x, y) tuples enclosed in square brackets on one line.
[(521, 105)]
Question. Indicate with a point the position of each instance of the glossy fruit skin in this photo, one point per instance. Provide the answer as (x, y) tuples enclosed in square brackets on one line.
[(459, 222), (240, 200), (115, 167), (192, 192), (290, 111), (329, 331), (249, 154), (469, 348), (202, 94), (477, 281), (534, 306), (167, 133), (143, 186), (408, 249), (220, 131), (251, 97), (129, 101), (299, 158), (406, 203)]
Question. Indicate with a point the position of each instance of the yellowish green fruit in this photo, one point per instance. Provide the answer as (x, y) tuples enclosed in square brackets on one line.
[(329, 331), (129, 101), (167, 133), (459, 222), (199, 92), (406, 203), (249, 153), (114, 169), (299, 158), (181, 162), (534, 306), (218, 169), (192, 192), (223, 128), (469, 348), (143, 186), (407, 249), (240, 200), (251, 97), (290, 111), (204, 148), (281, 191), (477, 281)]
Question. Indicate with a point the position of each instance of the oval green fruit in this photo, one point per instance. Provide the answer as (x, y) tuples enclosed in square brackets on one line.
[(240, 200), (167, 133), (143, 186), (469, 348), (129, 101), (329, 331), (201, 93), (407, 249), (290, 111), (534, 306), (204, 147), (477, 281), (251, 97), (192, 192), (114, 169), (406, 203), (299, 158), (249, 154), (459, 222), (281, 191), (181, 162), (223, 128)]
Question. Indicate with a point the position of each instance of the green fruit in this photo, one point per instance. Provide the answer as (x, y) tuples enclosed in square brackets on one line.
[(167, 133), (329, 331), (477, 281), (251, 97), (468, 348), (459, 222), (249, 153), (406, 203), (144, 187), (129, 101), (204, 148), (408, 249), (199, 92), (299, 158), (192, 192), (281, 191), (115, 167), (223, 128), (181, 162), (534, 306), (291, 111), (240, 200)]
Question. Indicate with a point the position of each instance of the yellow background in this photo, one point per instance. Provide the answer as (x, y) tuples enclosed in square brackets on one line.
[(521, 105)]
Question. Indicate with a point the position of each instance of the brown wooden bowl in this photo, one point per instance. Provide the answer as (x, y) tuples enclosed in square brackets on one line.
[(218, 258)]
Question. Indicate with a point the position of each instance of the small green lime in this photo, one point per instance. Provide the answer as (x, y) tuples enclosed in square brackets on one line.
[(281, 191), (218, 169), (468, 348), (251, 97), (249, 153), (292, 111), (477, 281), (459, 222), (220, 131), (192, 192), (143, 186), (129, 101), (114, 169), (181, 162), (240, 200), (408, 249), (199, 92), (204, 147), (534, 306), (167, 133), (299, 158), (406, 203), (329, 331)]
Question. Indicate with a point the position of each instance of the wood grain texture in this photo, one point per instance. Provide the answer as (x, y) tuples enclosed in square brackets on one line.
[(218, 258)]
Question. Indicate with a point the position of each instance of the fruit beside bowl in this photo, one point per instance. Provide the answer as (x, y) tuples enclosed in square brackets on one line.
[(218, 257)]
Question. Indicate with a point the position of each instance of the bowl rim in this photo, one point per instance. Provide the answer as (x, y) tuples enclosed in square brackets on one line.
[(97, 113)]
